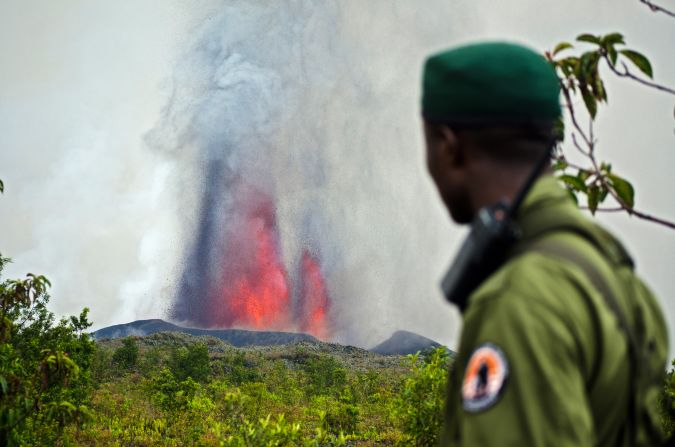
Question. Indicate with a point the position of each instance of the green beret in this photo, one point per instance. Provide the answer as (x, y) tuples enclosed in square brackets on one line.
[(490, 83)]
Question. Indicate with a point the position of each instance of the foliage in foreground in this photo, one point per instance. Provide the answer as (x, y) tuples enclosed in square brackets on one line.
[(44, 365), (668, 403), (421, 401)]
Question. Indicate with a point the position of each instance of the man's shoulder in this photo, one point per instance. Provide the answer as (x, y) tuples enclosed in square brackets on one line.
[(542, 298), (536, 278)]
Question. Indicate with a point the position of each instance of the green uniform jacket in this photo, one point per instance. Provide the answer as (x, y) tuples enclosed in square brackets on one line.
[(557, 369)]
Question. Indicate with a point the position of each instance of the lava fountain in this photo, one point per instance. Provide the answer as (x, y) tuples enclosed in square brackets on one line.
[(314, 303), (252, 288), (228, 116)]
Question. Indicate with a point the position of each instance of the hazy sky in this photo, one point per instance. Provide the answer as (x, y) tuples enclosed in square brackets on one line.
[(107, 215)]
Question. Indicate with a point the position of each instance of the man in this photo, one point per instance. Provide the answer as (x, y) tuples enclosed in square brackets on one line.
[(562, 345)]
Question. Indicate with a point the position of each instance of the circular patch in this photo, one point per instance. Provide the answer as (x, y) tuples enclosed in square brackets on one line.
[(484, 378)]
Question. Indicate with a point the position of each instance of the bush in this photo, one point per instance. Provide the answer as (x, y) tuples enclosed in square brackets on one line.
[(44, 366), (126, 356), (239, 370), (340, 418), (668, 403), (102, 365), (191, 362), (171, 394), (419, 407), (262, 433), (324, 375), (150, 360)]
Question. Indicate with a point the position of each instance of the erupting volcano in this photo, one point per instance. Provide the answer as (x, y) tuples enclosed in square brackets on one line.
[(251, 288)]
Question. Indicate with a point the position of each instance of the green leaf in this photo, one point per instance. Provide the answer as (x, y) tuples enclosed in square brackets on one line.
[(612, 54), (561, 46), (559, 165), (2, 187), (589, 38), (640, 61), (598, 89), (559, 130), (573, 182), (623, 189), (569, 65), (588, 67), (612, 39), (603, 194), (573, 196), (590, 101), (593, 198)]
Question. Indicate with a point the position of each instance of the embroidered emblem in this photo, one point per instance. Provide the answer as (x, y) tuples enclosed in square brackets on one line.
[(484, 378)]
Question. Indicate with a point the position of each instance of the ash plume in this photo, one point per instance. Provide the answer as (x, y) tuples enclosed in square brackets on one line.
[(231, 98), (280, 105)]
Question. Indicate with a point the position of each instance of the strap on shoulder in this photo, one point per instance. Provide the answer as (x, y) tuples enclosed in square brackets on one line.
[(559, 250)]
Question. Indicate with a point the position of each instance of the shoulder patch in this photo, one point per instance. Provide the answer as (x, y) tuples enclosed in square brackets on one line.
[(484, 378)]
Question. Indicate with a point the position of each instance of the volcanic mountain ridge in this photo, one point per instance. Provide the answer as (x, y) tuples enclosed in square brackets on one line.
[(400, 343)]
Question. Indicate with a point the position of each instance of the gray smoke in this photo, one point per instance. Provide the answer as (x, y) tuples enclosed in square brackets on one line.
[(285, 99)]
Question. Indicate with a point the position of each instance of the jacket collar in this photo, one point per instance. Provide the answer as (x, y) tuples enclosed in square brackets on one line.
[(549, 208)]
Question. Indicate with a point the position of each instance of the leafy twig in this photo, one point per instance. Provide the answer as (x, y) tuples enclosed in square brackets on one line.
[(597, 171), (633, 211), (580, 75)]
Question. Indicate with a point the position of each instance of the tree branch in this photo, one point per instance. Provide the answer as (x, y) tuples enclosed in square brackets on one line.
[(657, 8), (605, 210), (627, 74), (635, 212), (630, 210), (588, 141)]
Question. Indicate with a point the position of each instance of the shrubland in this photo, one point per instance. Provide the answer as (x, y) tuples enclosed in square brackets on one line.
[(307, 394)]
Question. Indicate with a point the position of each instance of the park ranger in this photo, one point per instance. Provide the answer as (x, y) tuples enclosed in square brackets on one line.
[(561, 345)]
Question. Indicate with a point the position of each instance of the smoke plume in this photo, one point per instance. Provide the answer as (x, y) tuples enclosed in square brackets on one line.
[(277, 108)]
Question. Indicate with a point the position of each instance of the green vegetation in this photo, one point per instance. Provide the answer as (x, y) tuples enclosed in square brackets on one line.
[(419, 406), (172, 389), (188, 390), (580, 74), (126, 356), (45, 380), (668, 403)]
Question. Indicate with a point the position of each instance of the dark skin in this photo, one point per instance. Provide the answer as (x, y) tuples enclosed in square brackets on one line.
[(467, 176)]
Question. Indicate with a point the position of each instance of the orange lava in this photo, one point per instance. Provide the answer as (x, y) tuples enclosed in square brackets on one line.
[(255, 291), (261, 300), (314, 303)]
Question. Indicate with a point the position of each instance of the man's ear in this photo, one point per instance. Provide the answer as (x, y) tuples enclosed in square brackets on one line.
[(450, 146)]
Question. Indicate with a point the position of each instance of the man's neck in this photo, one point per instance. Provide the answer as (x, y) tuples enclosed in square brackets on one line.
[(496, 183)]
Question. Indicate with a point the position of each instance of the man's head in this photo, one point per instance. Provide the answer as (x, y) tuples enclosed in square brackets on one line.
[(488, 112)]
